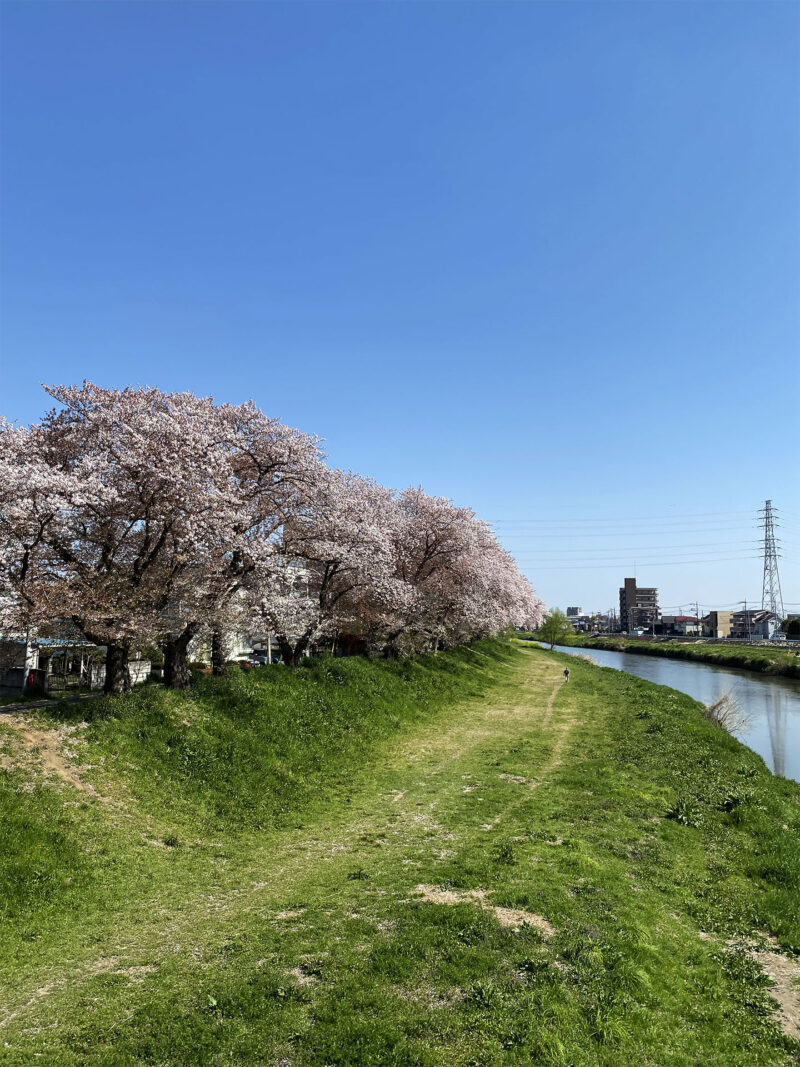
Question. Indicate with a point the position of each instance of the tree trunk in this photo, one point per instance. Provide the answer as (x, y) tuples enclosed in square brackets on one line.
[(219, 653), (292, 654), (389, 649), (287, 650), (118, 676), (176, 659)]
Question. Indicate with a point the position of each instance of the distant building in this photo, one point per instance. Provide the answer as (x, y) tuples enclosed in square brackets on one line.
[(573, 611), (680, 625), (717, 624), (57, 663), (755, 624), (638, 606)]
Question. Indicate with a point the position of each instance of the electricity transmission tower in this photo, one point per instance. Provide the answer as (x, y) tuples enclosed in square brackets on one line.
[(771, 598)]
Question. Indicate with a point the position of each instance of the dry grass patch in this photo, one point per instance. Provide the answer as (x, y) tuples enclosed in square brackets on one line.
[(785, 974), (50, 750), (512, 917)]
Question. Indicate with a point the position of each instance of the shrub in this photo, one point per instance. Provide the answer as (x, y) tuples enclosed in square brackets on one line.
[(727, 713)]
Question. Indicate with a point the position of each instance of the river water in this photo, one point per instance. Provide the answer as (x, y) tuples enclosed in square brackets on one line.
[(771, 702)]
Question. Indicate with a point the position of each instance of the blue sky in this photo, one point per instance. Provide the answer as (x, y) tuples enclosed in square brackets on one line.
[(540, 258)]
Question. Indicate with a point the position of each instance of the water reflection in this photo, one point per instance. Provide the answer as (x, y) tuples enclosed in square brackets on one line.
[(776, 720), (771, 703)]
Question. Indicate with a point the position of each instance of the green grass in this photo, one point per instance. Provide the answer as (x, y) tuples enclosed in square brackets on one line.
[(781, 661), (251, 751), (247, 891)]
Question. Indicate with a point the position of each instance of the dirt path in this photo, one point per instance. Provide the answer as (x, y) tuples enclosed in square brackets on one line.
[(50, 750), (33, 705)]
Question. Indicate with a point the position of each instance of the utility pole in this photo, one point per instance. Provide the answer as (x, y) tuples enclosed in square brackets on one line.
[(771, 597)]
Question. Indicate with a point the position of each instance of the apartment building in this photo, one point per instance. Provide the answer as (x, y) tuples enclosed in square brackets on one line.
[(638, 605), (717, 624)]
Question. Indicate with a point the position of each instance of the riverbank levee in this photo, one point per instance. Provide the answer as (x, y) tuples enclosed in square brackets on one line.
[(506, 869), (764, 659), (770, 703)]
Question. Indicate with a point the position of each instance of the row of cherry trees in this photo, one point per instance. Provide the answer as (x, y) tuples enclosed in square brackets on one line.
[(138, 516)]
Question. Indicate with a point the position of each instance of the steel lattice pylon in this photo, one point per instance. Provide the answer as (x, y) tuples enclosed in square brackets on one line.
[(771, 597)]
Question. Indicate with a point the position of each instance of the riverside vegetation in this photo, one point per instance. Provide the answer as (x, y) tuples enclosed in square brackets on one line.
[(445, 861), (781, 661)]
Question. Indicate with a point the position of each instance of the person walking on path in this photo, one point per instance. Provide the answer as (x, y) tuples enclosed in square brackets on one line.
[(566, 674)]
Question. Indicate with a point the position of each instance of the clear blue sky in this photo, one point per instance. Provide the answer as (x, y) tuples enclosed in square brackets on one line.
[(541, 258)]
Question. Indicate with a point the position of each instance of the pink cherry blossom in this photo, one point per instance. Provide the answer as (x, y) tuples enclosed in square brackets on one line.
[(137, 516)]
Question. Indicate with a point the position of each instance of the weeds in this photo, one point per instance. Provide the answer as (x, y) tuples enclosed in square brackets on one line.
[(727, 713), (686, 812), (504, 853)]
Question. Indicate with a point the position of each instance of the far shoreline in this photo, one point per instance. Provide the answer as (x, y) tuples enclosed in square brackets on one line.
[(780, 662)]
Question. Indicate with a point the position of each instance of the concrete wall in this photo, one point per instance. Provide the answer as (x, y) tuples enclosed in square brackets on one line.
[(12, 680)]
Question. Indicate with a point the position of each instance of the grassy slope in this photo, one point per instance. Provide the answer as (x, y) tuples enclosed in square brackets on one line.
[(779, 661), (247, 892)]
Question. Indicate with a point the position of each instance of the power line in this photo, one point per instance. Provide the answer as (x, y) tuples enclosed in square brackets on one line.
[(593, 529), (625, 563), (615, 566), (604, 543), (624, 551), (591, 525), (668, 609), (593, 535), (629, 518)]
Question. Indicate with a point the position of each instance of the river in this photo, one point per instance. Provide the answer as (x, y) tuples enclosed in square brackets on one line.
[(771, 702)]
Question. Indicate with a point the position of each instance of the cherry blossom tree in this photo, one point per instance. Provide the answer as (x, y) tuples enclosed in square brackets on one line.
[(119, 509), (35, 499), (459, 582), (136, 513), (270, 471), (431, 542), (137, 516), (484, 593), (330, 552)]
